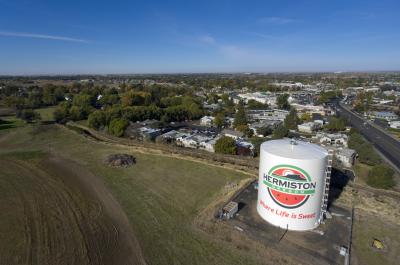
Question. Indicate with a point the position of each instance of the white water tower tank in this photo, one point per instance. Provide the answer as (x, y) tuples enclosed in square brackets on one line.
[(291, 183)]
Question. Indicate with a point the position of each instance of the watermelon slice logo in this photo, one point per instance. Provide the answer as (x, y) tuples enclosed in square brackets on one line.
[(289, 186)]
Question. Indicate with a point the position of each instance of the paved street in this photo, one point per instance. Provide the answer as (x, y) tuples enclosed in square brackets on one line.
[(387, 145)]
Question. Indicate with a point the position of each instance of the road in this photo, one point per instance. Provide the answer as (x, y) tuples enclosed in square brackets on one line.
[(384, 143)]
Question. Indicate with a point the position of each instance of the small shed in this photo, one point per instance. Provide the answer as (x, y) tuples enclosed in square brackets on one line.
[(230, 210)]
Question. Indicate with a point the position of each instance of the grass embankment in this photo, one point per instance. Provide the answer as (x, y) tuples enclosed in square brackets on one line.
[(361, 171), (366, 228), (394, 132), (160, 195)]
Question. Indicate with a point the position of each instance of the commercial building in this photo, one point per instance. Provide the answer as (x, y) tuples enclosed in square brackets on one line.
[(386, 115), (261, 115)]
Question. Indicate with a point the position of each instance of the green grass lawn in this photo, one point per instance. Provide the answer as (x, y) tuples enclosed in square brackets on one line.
[(46, 114), (394, 132), (160, 195), (10, 122)]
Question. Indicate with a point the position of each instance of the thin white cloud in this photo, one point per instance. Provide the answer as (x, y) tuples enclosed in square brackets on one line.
[(207, 39), (234, 52), (261, 35), (229, 51), (40, 36), (276, 20)]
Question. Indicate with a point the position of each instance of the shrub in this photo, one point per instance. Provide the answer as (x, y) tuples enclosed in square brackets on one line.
[(225, 145), (117, 127), (97, 120), (28, 115), (366, 152), (381, 176), (280, 132)]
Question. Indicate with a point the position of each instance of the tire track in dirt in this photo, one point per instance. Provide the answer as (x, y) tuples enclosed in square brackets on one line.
[(70, 217)]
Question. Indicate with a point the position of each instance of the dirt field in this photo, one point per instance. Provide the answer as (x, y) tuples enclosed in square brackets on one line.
[(58, 213)]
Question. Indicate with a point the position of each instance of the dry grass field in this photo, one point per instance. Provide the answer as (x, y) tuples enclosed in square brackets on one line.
[(64, 206)]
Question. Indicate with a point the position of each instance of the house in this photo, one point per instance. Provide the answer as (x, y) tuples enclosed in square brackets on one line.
[(197, 141), (207, 121), (144, 130), (180, 139), (235, 99), (346, 156), (394, 124), (244, 148), (208, 145), (168, 137), (386, 115), (272, 124), (149, 133), (211, 107), (333, 139), (233, 134), (308, 127), (229, 121)]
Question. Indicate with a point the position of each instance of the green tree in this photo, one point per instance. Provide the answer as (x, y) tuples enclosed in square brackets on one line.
[(292, 120), (280, 132), (212, 98), (83, 100), (381, 176), (336, 124), (245, 130), (117, 127), (28, 115), (97, 120), (240, 117), (227, 102), (252, 104), (219, 120), (61, 113), (306, 117), (282, 101), (225, 145), (366, 152), (325, 97), (264, 131)]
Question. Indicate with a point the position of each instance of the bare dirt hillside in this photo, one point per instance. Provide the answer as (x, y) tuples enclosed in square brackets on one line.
[(59, 213)]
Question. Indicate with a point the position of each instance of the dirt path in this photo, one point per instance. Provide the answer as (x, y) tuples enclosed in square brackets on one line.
[(59, 213)]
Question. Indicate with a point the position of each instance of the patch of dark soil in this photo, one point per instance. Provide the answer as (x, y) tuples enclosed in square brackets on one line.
[(120, 160)]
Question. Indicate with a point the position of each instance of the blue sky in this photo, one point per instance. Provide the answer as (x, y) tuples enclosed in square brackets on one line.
[(68, 37)]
